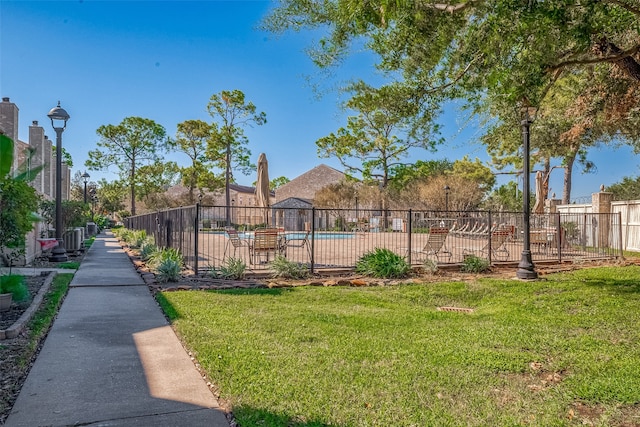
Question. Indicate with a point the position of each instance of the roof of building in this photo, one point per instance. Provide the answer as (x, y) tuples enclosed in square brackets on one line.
[(309, 183)]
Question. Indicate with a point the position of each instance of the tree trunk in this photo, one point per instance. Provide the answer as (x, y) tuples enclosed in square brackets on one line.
[(227, 181), (133, 186), (627, 64), (568, 170)]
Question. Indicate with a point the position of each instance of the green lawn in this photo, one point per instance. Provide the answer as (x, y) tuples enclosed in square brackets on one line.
[(559, 351)]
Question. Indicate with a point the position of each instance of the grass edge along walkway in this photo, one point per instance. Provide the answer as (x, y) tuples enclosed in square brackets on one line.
[(36, 331), (559, 351)]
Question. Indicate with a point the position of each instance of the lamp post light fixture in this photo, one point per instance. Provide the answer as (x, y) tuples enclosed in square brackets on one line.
[(85, 178), (59, 119), (526, 269), (447, 190)]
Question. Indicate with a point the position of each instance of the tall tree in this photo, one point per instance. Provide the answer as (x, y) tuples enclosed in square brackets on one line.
[(334, 198), (627, 189), (513, 48), (499, 52), (191, 139), (227, 147), (154, 180), (384, 131), (111, 195), (133, 143)]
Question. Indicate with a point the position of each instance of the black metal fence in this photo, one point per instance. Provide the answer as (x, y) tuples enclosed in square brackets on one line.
[(336, 238)]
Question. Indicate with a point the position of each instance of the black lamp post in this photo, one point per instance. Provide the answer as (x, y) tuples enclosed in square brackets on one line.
[(446, 197), (93, 197), (526, 269), (59, 119), (85, 178)]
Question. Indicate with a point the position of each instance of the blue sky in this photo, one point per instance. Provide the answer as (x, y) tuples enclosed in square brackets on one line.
[(162, 60)]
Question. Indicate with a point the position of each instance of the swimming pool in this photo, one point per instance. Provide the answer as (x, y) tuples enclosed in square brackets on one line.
[(299, 235)]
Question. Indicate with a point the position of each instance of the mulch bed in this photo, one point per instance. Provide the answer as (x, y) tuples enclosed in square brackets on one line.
[(18, 354), (8, 318)]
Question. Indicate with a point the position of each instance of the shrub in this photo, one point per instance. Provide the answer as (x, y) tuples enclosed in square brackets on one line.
[(161, 255), (166, 264), (383, 263), (137, 238), (147, 249), (168, 270), (474, 264), (232, 269), (430, 266), (284, 268), (15, 285)]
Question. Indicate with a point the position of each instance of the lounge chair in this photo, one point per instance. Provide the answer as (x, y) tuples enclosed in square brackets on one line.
[(234, 242), (298, 243), (435, 244), (496, 245)]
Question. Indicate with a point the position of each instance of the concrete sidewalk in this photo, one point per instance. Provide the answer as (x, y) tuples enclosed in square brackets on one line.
[(111, 359)]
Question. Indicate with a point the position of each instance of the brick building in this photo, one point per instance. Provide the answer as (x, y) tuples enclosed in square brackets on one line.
[(38, 151)]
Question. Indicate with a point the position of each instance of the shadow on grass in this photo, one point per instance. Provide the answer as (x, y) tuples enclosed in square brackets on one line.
[(172, 314), (622, 286), (254, 291), (248, 416)]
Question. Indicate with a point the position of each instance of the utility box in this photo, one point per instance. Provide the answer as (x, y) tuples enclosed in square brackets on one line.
[(92, 229), (72, 240)]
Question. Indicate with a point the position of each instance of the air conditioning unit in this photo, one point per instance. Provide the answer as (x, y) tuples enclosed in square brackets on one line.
[(72, 240)]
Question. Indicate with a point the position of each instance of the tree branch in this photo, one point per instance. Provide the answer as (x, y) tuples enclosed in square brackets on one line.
[(612, 58), (634, 10), (452, 8)]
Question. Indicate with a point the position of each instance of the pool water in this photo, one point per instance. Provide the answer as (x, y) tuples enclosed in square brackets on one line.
[(320, 235)]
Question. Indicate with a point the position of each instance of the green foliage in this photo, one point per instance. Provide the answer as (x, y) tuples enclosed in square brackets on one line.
[(383, 263), (429, 266), (507, 198), (627, 189), (101, 221), (475, 264), (137, 238), (72, 265), (575, 60), (133, 143), (386, 127), (166, 264), (147, 249), (232, 269), (15, 285), (191, 139), (475, 171), (74, 213), (168, 270), (275, 183), (421, 169), (165, 254), (111, 195), (228, 145), (286, 269), (18, 200), (153, 180)]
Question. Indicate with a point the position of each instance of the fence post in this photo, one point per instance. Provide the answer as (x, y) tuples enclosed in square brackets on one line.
[(409, 231), (195, 238), (491, 232), (313, 239), (559, 237), (158, 236), (620, 232), (181, 230), (169, 229)]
